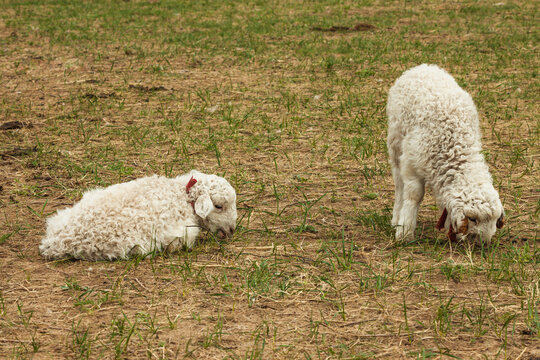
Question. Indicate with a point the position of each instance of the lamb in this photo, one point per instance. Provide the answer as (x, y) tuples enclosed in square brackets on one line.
[(434, 139), (140, 216)]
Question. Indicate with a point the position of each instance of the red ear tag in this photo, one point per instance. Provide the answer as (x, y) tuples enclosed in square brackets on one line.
[(191, 182), (442, 220)]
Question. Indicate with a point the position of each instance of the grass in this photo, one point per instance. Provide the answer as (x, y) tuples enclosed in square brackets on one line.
[(293, 115)]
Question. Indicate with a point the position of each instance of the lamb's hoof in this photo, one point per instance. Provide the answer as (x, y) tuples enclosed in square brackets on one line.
[(402, 235)]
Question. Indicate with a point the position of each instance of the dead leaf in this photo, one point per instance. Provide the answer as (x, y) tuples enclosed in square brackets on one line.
[(11, 125)]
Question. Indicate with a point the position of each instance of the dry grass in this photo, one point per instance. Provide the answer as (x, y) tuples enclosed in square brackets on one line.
[(294, 117)]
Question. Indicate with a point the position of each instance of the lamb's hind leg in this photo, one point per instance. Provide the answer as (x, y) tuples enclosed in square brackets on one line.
[(398, 201), (394, 152), (413, 193)]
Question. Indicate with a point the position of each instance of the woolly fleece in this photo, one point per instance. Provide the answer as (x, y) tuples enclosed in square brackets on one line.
[(140, 216), (434, 139)]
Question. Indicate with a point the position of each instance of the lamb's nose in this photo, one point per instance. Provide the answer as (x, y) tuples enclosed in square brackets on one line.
[(231, 231)]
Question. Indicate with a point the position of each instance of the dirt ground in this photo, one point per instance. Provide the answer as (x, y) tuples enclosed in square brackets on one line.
[(312, 271)]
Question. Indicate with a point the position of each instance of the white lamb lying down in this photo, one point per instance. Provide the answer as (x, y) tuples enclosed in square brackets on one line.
[(140, 216), (434, 138)]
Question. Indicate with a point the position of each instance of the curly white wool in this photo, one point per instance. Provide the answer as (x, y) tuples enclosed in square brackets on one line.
[(140, 216), (434, 139)]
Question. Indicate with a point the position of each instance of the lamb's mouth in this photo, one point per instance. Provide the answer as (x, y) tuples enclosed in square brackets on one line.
[(223, 233)]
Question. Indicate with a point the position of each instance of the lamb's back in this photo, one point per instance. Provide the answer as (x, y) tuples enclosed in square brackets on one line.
[(123, 213), (427, 96)]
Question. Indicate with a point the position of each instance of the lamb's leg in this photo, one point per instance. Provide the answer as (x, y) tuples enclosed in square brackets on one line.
[(413, 193), (191, 235), (181, 236), (394, 152), (398, 201)]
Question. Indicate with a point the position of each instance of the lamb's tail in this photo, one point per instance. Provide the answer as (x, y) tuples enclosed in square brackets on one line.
[(52, 245), (47, 248)]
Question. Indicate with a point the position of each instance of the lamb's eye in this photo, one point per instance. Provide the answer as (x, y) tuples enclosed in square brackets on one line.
[(472, 219), (218, 206)]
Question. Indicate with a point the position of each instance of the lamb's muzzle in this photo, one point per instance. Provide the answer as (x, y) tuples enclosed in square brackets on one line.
[(225, 233)]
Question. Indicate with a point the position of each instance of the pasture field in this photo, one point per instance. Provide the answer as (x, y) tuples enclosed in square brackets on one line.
[(286, 99)]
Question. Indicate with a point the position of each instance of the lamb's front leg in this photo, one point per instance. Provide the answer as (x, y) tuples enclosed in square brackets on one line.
[(181, 236), (413, 193)]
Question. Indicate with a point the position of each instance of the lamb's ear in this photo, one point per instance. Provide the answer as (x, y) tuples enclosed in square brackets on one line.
[(457, 222), (464, 227), (500, 222), (203, 206), (442, 220)]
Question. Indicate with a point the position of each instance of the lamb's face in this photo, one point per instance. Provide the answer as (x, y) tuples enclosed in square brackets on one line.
[(482, 217), (484, 228), (222, 219), (216, 205)]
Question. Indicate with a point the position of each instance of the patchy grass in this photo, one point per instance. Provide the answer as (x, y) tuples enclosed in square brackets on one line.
[(287, 101)]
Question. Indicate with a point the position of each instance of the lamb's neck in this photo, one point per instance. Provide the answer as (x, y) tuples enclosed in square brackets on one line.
[(466, 178)]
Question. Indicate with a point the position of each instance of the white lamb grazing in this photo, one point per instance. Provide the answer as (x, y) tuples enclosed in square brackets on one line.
[(434, 139), (140, 216)]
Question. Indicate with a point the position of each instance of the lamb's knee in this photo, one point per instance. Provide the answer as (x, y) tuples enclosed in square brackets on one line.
[(414, 191), (187, 235)]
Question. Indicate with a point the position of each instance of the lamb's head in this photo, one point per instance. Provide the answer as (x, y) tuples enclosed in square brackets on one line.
[(479, 214), (214, 202)]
